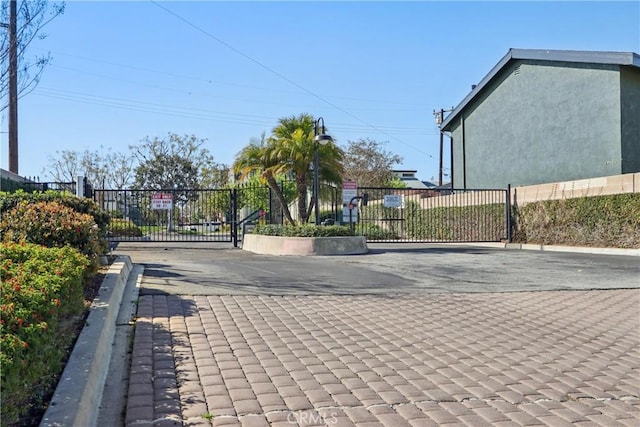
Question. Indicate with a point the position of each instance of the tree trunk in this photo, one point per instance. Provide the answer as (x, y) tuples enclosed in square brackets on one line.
[(301, 190), (278, 192)]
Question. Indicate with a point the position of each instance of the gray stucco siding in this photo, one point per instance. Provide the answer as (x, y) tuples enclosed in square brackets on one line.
[(541, 122), (630, 119)]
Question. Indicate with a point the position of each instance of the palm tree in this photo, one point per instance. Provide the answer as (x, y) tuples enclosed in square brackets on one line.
[(256, 159), (289, 151)]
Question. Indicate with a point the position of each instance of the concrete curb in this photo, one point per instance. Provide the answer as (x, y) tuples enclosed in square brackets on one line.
[(573, 249), (79, 391), (304, 246)]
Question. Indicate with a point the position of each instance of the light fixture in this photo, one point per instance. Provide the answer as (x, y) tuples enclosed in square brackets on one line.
[(319, 138)]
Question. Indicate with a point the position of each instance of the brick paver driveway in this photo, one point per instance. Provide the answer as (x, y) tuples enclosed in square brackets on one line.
[(524, 358)]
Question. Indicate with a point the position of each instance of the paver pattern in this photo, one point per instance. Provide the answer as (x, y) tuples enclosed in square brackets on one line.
[(523, 359)]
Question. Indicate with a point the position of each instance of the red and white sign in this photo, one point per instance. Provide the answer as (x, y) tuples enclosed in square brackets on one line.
[(349, 191), (161, 201)]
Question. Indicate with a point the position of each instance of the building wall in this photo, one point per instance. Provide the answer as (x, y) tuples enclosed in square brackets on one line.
[(541, 122), (630, 104)]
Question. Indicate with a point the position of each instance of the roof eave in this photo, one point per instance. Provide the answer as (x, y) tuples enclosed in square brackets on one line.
[(618, 58)]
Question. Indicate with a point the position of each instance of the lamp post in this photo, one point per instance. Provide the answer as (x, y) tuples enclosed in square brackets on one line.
[(319, 138)]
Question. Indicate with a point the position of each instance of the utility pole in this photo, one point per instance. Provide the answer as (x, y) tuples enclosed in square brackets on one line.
[(439, 116), (13, 88)]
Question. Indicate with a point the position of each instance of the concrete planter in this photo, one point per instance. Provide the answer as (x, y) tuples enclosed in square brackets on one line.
[(277, 245)]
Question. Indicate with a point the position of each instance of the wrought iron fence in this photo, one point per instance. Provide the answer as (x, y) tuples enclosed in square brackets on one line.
[(391, 214), (168, 215), (433, 215)]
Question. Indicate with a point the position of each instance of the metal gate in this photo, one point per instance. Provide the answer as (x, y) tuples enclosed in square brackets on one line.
[(391, 214), (214, 215), (168, 215), (434, 215)]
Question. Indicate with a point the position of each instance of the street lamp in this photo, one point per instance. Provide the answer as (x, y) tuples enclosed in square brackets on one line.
[(319, 138)]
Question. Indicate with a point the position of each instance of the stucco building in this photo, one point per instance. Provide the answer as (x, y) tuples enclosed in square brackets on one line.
[(544, 116)]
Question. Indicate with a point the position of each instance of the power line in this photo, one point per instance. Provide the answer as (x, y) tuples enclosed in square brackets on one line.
[(190, 112), (283, 77), (219, 82)]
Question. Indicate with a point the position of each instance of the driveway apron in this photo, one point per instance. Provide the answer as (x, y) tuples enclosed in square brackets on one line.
[(278, 348)]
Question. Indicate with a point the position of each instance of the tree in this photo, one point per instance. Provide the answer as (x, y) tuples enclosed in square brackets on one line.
[(215, 176), (103, 169), (173, 162), (369, 164), (32, 16), (64, 166), (288, 152)]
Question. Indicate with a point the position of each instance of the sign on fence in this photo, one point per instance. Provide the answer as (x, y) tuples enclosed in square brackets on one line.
[(161, 201), (349, 191), (393, 200)]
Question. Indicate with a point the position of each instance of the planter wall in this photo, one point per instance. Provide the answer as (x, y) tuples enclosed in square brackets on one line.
[(277, 245)]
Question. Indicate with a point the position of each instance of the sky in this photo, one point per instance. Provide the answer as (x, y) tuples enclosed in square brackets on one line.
[(227, 71)]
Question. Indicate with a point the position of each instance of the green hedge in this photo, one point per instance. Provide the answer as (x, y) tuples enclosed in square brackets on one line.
[(456, 223), (306, 230), (124, 228), (605, 221), (40, 287)]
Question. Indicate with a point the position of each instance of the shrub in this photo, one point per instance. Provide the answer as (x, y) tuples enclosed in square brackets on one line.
[(124, 228), (307, 230), (9, 201), (40, 286), (608, 221), (456, 223), (52, 224), (375, 232)]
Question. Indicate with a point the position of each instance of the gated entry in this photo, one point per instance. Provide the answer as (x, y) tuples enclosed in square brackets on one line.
[(391, 215), (168, 215), (215, 215)]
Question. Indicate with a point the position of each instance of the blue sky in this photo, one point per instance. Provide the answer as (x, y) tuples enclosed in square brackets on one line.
[(226, 71)]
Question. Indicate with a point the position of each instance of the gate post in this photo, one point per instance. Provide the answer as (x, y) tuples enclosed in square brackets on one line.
[(508, 213), (80, 186), (234, 217)]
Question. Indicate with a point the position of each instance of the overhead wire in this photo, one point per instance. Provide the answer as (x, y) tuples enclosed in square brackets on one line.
[(188, 112), (281, 76), (219, 82)]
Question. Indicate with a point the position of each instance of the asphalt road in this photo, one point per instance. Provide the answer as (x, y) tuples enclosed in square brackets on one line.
[(219, 269)]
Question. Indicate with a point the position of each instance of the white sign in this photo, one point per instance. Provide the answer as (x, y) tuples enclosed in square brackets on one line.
[(393, 201), (345, 214), (349, 191), (161, 201)]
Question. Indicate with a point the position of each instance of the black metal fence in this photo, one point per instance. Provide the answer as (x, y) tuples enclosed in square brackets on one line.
[(168, 215), (433, 215), (215, 215), (29, 185), (391, 215)]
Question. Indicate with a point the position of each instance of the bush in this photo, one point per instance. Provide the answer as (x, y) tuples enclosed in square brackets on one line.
[(52, 224), (9, 201), (306, 230), (124, 228), (40, 286), (375, 232), (456, 223), (607, 221)]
